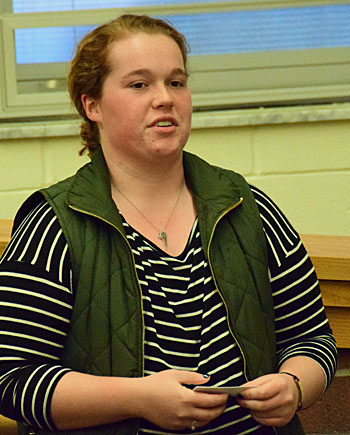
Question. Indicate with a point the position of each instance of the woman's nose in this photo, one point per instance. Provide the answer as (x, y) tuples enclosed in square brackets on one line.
[(162, 97)]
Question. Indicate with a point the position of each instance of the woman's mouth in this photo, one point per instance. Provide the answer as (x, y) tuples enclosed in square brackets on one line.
[(164, 124)]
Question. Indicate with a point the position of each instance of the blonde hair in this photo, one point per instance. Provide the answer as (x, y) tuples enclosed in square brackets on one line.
[(90, 66)]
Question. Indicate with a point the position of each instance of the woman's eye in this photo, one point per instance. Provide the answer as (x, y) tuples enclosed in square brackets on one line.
[(138, 85), (176, 84)]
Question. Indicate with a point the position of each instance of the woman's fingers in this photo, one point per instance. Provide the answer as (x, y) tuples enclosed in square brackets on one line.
[(169, 404), (272, 401)]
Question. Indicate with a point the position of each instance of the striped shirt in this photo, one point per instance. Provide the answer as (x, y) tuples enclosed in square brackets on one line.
[(185, 320)]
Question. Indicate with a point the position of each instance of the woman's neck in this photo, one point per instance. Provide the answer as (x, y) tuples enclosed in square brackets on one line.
[(156, 203), (145, 181)]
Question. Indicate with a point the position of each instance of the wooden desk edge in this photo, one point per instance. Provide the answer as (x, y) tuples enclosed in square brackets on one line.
[(323, 246)]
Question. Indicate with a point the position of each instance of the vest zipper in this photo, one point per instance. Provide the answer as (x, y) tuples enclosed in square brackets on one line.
[(223, 300), (135, 272), (216, 285)]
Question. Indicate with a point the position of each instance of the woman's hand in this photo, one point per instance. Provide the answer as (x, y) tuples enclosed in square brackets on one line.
[(82, 400), (273, 401), (167, 403)]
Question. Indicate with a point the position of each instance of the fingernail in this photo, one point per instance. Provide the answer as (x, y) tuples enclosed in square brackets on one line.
[(205, 376)]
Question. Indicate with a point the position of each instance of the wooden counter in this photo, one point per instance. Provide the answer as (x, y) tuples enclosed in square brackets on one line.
[(5, 231), (331, 258)]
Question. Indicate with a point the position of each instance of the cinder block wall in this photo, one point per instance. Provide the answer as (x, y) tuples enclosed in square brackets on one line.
[(305, 168), (29, 164)]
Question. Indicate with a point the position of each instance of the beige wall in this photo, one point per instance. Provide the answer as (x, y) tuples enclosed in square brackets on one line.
[(305, 167)]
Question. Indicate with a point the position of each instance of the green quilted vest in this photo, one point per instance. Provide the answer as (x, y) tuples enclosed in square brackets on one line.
[(107, 329)]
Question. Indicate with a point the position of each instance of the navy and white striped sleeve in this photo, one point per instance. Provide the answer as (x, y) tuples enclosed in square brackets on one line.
[(35, 308), (301, 323)]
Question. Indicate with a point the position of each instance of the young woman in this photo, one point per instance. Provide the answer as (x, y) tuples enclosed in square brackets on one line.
[(150, 271)]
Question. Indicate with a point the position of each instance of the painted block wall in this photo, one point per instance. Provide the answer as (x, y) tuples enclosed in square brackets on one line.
[(304, 167)]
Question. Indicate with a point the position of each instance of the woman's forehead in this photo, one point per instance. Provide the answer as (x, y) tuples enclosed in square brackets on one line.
[(137, 50)]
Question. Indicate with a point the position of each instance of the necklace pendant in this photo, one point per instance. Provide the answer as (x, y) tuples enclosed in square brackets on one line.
[(163, 236)]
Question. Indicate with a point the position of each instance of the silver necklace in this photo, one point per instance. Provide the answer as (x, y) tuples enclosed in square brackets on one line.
[(162, 234)]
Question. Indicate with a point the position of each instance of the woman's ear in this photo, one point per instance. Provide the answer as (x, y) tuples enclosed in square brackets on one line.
[(91, 107)]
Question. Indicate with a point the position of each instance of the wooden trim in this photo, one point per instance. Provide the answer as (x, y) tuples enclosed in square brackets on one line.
[(5, 231), (331, 258), (339, 320), (336, 294), (330, 255), (7, 426)]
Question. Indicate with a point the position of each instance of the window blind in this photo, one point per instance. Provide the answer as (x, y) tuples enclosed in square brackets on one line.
[(24, 6), (239, 32), (243, 53)]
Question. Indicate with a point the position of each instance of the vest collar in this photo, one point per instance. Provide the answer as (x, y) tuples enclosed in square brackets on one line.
[(91, 190), (214, 193)]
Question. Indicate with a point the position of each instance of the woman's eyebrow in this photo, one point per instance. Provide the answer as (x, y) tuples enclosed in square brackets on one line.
[(145, 72), (138, 72), (179, 71)]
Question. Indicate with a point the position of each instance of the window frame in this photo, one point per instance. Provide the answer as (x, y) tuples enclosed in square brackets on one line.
[(210, 91)]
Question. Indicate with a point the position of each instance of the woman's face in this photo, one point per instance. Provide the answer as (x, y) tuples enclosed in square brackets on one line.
[(145, 109)]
